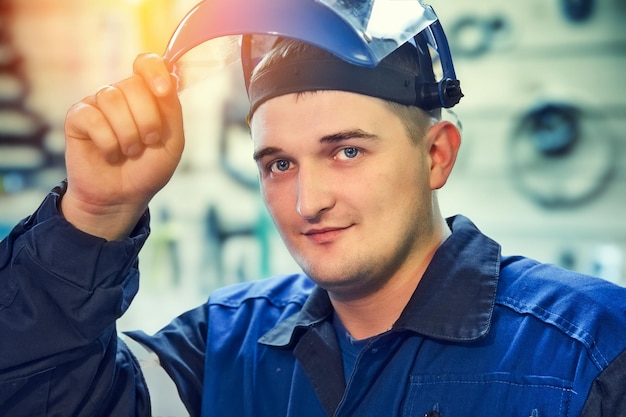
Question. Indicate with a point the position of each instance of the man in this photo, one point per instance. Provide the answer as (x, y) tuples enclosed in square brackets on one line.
[(399, 312)]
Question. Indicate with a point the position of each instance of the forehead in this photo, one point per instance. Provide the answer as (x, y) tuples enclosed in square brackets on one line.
[(319, 113)]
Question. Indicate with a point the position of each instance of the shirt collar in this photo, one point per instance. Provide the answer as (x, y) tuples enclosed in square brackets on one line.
[(454, 300)]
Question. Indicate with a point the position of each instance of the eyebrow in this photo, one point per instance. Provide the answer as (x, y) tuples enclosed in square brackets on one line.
[(263, 152), (348, 134), (333, 138)]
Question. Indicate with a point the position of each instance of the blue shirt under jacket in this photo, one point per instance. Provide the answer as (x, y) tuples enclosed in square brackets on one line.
[(483, 335)]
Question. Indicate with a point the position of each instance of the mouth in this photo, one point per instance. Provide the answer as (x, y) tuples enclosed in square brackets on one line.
[(326, 234)]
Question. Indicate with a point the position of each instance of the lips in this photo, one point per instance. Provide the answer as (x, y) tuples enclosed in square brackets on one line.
[(325, 235)]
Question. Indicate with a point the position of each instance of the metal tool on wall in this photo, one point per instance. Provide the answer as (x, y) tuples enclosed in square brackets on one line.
[(473, 36), (561, 154), (577, 10)]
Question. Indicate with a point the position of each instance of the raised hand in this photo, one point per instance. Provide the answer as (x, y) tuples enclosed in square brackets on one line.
[(123, 144)]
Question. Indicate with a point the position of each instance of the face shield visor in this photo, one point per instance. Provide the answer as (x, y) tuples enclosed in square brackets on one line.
[(359, 32)]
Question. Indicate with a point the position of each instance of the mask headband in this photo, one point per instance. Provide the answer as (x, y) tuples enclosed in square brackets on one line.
[(303, 75)]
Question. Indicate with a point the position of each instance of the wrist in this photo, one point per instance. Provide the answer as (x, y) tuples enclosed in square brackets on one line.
[(110, 221)]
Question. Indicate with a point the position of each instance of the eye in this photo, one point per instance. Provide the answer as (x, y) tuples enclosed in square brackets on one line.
[(281, 165), (348, 153)]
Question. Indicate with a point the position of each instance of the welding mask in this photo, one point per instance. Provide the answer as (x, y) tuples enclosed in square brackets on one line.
[(358, 34)]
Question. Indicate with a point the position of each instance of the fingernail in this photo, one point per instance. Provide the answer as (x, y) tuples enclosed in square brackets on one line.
[(152, 138), (133, 150), (113, 158), (161, 85)]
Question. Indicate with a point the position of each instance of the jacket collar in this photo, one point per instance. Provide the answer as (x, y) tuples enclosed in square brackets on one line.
[(454, 300)]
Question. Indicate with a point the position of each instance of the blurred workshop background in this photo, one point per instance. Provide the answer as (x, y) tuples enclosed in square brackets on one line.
[(542, 167)]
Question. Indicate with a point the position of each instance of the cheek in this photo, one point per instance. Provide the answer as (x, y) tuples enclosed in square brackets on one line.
[(277, 203), (396, 180), (401, 189)]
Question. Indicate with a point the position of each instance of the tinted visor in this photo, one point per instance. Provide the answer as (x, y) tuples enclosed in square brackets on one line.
[(359, 32)]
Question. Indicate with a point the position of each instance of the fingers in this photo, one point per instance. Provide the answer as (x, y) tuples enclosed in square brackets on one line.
[(85, 122), (113, 105), (163, 85), (152, 69), (132, 113), (122, 119)]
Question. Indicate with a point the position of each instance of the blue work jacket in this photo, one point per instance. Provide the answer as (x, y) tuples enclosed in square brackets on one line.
[(483, 335)]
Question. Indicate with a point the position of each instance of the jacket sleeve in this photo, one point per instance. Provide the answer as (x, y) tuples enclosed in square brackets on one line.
[(181, 347), (607, 397), (61, 292)]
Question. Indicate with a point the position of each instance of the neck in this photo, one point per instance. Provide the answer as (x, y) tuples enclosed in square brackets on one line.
[(375, 312), (373, 315)]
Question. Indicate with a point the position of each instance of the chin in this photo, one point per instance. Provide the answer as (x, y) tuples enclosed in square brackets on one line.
[(337, 279)]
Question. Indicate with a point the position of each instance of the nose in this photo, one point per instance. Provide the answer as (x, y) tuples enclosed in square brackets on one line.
[(315, 194)]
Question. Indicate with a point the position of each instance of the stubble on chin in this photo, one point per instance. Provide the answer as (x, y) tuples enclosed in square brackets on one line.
[(346, 280)]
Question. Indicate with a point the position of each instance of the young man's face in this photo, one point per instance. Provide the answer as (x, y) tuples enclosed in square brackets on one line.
[(347, 188)]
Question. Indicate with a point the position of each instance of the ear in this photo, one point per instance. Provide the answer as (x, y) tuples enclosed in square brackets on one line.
[(443, 140)]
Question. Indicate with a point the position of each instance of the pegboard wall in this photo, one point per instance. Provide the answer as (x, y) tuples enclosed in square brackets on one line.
[(543, 164)]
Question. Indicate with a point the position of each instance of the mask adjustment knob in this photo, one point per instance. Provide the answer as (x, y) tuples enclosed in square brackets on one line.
[(449, 92), (443, 94)]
